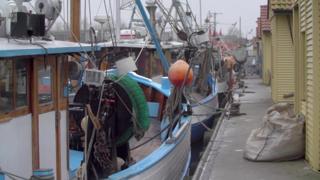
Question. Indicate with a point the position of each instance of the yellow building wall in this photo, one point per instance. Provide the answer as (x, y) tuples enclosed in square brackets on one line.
[(282, 65), (267, 56), (308, 77)]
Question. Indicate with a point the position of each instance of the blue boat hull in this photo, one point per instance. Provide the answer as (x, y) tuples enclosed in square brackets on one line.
[(198, 129), (207, 110)]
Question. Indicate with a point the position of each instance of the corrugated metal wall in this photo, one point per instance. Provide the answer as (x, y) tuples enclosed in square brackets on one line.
[(267, 56), (281, 4), (300, 53), (273, 55), (309, 13), (283, 66), (316, 102)]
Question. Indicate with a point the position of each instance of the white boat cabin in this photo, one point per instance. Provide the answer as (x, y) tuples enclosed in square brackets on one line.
[(33, 106)]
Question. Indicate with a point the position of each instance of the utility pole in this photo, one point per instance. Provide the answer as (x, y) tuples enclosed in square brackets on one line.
[(215, 22), (214, 15), (240, 33), (200, 1)]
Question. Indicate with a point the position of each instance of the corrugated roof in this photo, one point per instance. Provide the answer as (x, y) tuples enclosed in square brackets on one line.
[(281, 4), (265, 22)]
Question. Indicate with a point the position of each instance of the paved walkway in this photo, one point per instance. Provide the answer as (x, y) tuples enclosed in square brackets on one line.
[(225, 160)]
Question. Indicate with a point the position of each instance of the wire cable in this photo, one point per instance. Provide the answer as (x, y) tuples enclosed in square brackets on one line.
[(150, 139)]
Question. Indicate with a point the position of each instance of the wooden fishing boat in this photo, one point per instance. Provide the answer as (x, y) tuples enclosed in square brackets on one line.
[(164, 144), (204, 110), (153, 158), (204, 96), (204, 104), (34, 104), (42, 124)]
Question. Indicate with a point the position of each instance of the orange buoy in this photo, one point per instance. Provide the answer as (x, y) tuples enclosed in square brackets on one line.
[(178, 71)]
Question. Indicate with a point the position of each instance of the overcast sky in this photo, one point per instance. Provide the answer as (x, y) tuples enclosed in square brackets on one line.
[(231, 11)]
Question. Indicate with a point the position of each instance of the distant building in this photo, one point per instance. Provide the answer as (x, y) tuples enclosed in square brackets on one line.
[(265, 36), (282, 65)]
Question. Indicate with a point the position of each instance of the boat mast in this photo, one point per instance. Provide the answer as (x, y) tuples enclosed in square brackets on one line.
[(75, 20), (118, 20), (154, 36)]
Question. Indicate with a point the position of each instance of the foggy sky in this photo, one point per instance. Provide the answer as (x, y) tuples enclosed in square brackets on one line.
[(231, 11)]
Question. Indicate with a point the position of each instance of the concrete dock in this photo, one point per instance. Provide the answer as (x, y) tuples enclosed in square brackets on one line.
[(223, 159)]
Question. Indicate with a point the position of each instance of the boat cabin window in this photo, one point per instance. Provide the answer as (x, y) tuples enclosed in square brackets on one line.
[(21, 84), (63, 72), (44, 82), (6, 86), (14, 88)]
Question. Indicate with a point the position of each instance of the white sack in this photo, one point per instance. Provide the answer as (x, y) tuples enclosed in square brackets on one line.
[(280, 138)]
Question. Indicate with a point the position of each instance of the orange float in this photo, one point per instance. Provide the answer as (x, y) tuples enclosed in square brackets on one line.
[(178, 71)]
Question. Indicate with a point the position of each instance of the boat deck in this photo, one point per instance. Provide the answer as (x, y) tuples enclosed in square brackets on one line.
[(77, 156), (146, 149)]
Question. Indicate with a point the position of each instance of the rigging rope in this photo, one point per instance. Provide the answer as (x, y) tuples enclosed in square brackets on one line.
[(109, 23), (74, 36), (12, 176)]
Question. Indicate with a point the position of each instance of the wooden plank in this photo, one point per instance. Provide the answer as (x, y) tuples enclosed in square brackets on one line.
[(35, 116), (16, 113), (57, 94)]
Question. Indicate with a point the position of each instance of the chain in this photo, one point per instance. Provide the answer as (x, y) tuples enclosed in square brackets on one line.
[(102, 151), (102, 148)]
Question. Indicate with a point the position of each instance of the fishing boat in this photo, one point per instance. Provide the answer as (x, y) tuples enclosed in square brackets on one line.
[(196, 50), (33, 106), (155, 151), (33, 96), (164, 143), (37, 122), (204, 96)]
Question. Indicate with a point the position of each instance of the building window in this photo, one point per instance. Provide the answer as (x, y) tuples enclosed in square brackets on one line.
[(6, 86), (44, 83)]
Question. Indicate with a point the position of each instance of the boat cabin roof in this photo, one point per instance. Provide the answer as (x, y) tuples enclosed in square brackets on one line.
[(15, 48), (140, 43)]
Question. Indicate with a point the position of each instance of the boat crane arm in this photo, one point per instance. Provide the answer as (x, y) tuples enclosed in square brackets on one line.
[(163, 59)]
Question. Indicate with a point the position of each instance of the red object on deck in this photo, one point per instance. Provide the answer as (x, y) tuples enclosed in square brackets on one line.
[(177, 73)]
